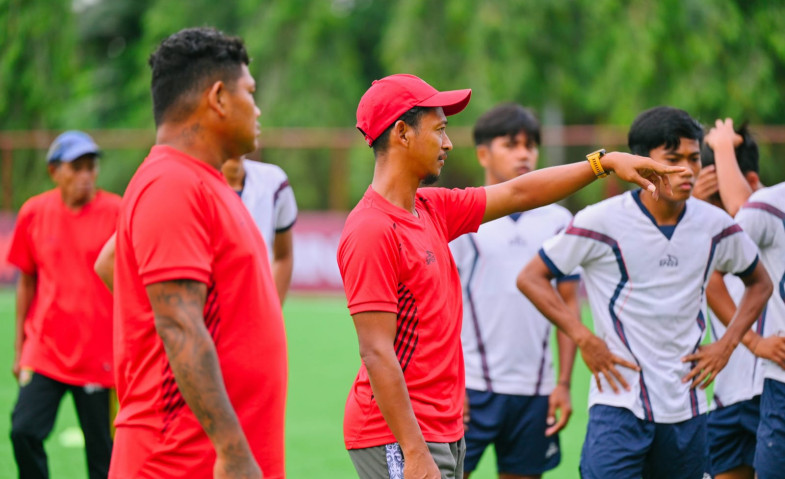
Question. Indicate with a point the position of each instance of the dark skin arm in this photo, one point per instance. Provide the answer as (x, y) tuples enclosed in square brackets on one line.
[(548, 185), (25, 292), (535, 282), (559, 400), (376, 335), (178, 307), (721, 303), (283, 262), (713, 357)]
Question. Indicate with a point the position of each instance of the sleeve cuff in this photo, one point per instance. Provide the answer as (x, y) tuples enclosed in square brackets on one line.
[(749, 269), (554, 270), (568, 278), (286, 228)]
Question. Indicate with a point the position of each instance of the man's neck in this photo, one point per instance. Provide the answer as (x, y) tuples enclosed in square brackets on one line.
[(234, 172), (665, 212), (76, 204), (395, 184), (193, 140)]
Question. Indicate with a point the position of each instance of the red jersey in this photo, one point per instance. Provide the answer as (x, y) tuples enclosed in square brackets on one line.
[(68, 329), (180, 220), (392, 261)]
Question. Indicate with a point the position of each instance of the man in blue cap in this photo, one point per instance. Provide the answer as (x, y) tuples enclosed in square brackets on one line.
[(63, 337)]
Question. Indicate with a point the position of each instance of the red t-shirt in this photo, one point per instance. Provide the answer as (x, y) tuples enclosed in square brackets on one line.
[(68, 328), (180, 220), (392, 261)]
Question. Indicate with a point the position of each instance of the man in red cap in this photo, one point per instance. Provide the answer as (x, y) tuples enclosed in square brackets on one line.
[(402, 285)]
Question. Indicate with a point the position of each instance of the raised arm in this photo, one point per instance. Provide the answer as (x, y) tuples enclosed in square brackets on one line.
[(376, 335), (559, 400), (723, 307), (710, 359), (548, 185), (25, 292), (104, 264), (283, 262), (178, 307), (535, 282), (732, 185)]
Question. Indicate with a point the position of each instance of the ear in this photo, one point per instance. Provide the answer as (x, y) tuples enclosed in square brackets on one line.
[(483, 155), (216, 98), (401, 133), (753, 179), (52, 169)]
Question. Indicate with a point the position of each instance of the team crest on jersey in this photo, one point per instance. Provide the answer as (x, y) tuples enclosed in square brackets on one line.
[(670, 261), (517, 241), (552, 450), (429, 257)]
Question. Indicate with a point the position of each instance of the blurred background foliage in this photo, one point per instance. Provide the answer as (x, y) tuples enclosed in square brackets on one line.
[(82, 64)]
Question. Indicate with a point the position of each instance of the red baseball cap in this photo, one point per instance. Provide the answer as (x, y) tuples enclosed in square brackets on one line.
[(392, 96)]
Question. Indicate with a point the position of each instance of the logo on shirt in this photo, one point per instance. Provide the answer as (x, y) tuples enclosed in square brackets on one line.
[(517, 241), (669, 261), (429, 257), (552, 449)]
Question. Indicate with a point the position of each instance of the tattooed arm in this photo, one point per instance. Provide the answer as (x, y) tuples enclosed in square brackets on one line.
[(178, 307)]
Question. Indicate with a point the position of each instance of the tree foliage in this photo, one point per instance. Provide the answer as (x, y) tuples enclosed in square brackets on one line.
[(83, 63)]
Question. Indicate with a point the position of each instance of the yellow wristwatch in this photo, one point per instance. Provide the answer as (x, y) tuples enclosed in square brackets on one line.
[(594, 161)]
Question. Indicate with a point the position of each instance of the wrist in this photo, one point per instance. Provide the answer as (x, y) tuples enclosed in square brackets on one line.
[(597, 164), (564, 383)]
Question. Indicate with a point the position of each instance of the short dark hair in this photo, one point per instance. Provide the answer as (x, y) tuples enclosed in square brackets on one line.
[(188, 61), (746, 153), (662, 125), (412, 118), (507, 119)]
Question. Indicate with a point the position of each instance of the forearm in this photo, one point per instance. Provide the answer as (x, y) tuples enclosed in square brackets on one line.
[(732, 185), (104, 263), (535, 284), (390, 392), (282, 275), (568, 290), (178, 307), (25, 292), (756, 294), (538, 188), (195, 366)]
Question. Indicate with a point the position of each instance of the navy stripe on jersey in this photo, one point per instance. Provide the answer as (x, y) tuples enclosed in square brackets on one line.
[(730, 230), (618, 326), (693, 392), (281, 187), (406, 335), (486, 374), (543, 358), (771, 209), (555, 271)]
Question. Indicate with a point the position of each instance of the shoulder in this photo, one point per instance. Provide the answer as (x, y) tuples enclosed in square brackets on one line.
[(606, 213), (772, 195), (554, 212), (38, 203), (272, 173), (108, 198), (707, 214)]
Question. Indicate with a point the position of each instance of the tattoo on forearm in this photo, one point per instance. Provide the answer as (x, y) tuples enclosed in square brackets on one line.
[(179, 308)]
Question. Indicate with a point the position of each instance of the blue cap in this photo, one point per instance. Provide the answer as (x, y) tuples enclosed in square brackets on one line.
[(71, 145)]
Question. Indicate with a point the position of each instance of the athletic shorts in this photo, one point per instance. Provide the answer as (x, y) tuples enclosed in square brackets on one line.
[(732, 430), (770, 453), (381, 462), (618, 445), (515, 425)]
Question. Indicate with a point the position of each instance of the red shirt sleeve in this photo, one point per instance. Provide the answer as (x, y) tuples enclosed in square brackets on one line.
[(20, 252), (170, 231), (463, 209), (368, 258)]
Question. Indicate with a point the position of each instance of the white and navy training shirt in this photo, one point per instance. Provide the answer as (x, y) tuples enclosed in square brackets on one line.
[(763, 218), (506, 341), (270, 199), (646, 286)]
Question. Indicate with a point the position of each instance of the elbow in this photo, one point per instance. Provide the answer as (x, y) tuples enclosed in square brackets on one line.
[(374, 355), (526, 280)]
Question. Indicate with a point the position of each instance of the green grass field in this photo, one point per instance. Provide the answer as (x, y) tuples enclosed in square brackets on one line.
[(323, 361)]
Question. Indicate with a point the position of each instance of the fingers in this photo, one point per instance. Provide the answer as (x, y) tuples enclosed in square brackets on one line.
[(565, 416), (619, 379), (599, 383)]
